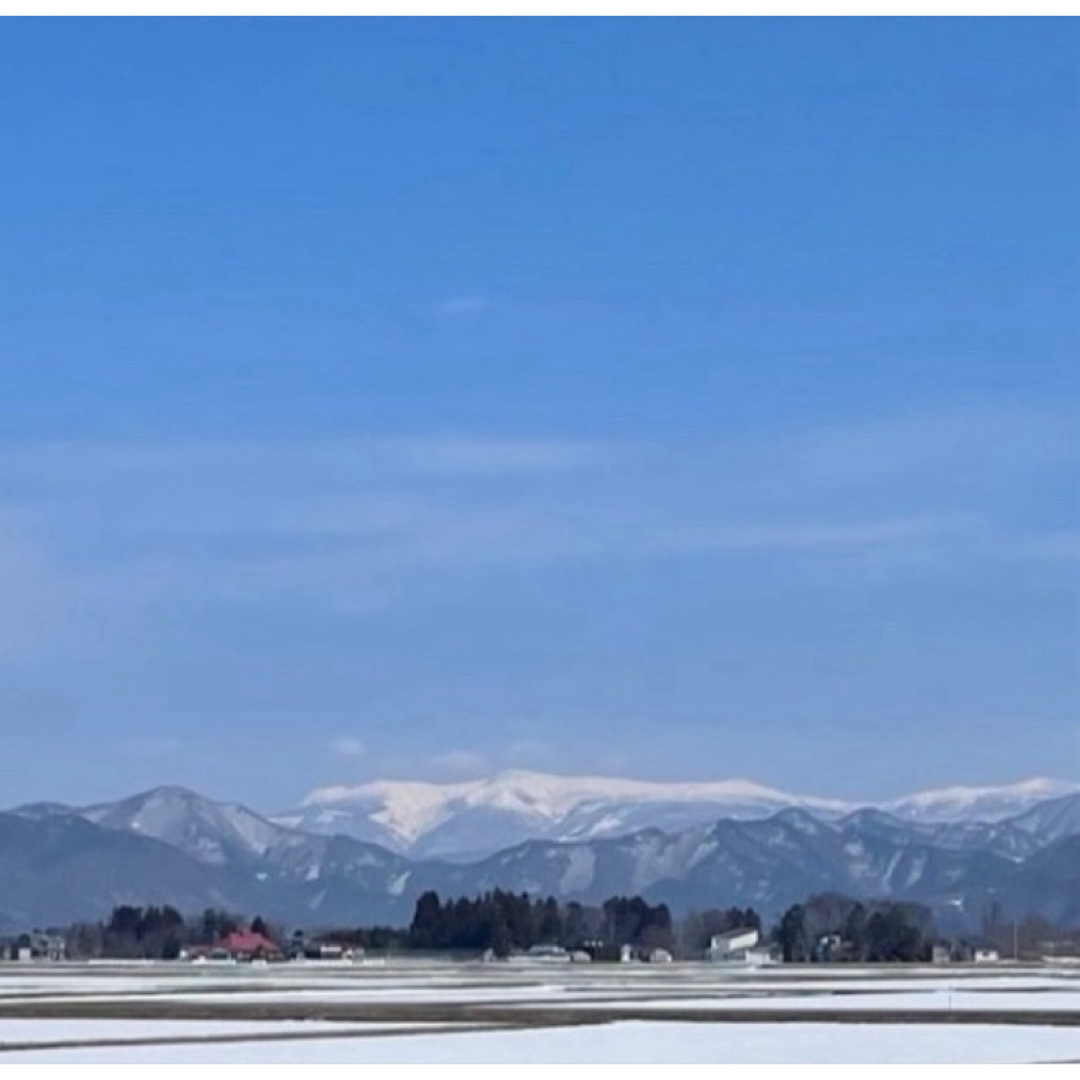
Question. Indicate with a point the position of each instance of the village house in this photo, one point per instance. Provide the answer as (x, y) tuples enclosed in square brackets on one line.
[(249, 945), (241, 946), (36, 946), (733, 946)]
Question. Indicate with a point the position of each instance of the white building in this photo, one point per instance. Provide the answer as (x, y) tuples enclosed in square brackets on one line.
[(734, 946)]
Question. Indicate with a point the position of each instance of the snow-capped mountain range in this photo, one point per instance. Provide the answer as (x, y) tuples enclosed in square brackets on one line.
[(169, 845), (698, 845), (477, 817)]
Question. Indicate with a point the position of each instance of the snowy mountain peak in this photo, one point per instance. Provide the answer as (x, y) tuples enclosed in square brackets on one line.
[(212, 832), (464, 818), (979, 803), (474, 817)]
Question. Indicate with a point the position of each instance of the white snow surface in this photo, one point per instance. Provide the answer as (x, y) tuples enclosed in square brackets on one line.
[(409, 808), (979, 803), (632, 1042), (517, 805), (75, 1030)]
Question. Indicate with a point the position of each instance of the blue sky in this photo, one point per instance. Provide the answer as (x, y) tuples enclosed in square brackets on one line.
[(422, 398)]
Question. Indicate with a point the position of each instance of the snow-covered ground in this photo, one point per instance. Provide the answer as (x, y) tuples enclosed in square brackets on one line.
[(415, 1012), (629, 1043), (17, 1030)]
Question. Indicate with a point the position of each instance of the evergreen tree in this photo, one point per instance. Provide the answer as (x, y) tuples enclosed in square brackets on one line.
[(855, 933), (425, 932), (791, 934)]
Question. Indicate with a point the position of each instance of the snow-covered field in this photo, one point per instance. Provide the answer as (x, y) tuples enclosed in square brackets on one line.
[(632, 1042), (20, 1031), (442, 1012)]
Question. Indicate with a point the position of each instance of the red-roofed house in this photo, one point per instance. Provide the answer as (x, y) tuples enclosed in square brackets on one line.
[(248, 945)]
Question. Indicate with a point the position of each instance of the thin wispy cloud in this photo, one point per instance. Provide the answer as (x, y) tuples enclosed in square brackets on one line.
[(348, 746), (55, 465), (810, 536), (456, 764), (312, 511), (1056, 544), (154, 746), (456, 581), (473, 304), (473, 456), (533, 753)]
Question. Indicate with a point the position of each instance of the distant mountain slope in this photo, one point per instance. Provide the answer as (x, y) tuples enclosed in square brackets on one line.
[(39, 811), (1002, 838), (219, 854), (57, 869), (1048, 882), (1051, 820), (766, 864)]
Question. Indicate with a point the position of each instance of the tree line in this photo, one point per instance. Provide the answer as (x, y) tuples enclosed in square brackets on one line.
[(505, 922), (501, 921), (835, 928), (154, 932), (824, 927)]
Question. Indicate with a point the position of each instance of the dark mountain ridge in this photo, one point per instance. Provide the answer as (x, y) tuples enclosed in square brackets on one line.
[(169, 845)]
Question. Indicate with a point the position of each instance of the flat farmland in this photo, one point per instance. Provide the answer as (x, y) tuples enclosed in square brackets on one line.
[(415, 1011)]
